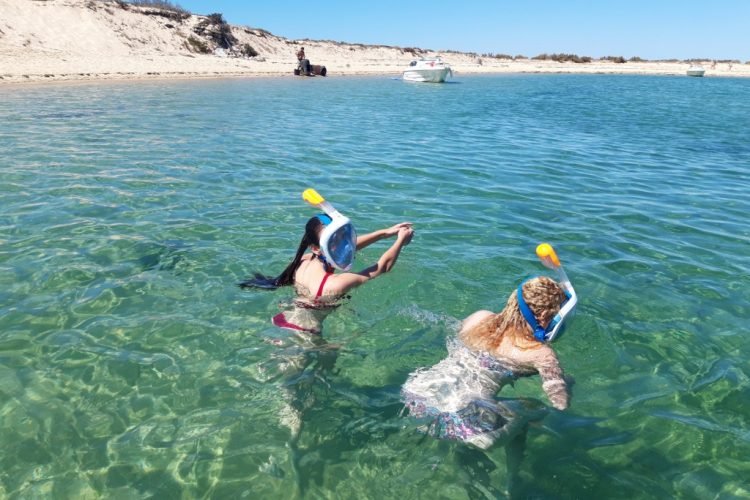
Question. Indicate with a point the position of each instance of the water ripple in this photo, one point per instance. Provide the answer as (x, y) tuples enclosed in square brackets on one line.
[(131, 365)]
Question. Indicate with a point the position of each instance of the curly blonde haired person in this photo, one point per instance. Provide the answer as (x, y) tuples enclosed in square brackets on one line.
[(508, 337), (455, 398)]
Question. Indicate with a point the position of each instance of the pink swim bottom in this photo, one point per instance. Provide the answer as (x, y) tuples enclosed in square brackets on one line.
[(281, 321)]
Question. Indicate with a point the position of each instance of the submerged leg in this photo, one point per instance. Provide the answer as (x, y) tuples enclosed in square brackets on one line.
[(514, 456)]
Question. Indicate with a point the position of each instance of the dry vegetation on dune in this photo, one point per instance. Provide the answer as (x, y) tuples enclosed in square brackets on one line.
[(201, 34), (212, 32)]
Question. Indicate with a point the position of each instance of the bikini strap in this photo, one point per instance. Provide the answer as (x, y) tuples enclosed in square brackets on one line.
[(326, 265), (322, 284)]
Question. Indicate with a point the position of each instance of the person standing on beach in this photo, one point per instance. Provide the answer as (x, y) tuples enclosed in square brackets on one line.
[(304, 63)]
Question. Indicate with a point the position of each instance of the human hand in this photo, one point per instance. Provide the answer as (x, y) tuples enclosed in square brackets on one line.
[(405, 234), (394, 230)]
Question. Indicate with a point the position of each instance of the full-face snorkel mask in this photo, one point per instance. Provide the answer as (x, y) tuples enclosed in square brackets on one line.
[(556, 326), (338, 240)]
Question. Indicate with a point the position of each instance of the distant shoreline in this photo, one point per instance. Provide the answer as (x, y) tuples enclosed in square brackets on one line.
[(644, 69), (104, 41)]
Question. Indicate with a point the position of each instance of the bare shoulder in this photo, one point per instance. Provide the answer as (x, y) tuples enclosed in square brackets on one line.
[(342, 283), (474, 319)]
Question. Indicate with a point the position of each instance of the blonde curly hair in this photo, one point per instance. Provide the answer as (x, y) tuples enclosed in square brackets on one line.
[(544, 297)]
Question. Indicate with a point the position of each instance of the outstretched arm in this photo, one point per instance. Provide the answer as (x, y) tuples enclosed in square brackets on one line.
[(385, 263), (368, 239)]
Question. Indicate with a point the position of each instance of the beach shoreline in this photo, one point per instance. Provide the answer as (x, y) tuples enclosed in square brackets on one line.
[(84, 40), (216, 71), (166, 77)]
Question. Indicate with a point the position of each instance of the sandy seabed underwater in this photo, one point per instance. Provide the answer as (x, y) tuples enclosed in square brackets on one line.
[(131, 365)]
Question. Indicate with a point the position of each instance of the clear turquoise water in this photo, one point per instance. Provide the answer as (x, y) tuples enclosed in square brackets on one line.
[(132, 366)]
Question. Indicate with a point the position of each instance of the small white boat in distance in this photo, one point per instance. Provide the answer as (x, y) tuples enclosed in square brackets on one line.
[(428, 69), (696, 70)]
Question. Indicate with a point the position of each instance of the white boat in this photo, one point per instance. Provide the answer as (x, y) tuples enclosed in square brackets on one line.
[(695, 70), (428, 69)]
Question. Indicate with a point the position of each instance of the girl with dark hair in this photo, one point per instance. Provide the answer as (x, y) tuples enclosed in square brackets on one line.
[(318, 290)]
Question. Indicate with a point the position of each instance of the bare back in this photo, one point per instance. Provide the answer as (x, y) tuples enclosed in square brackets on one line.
[(523, 360), (313, 280)]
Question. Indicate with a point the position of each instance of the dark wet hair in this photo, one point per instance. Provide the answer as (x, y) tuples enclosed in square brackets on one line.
[(286, 278)]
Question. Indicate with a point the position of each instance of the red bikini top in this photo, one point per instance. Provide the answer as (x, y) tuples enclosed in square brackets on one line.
[(322, 284)]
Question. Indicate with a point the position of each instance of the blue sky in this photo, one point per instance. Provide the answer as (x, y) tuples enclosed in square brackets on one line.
[(651, 29)]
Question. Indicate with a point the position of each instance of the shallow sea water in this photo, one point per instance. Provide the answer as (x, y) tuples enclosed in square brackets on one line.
[(132, 366)]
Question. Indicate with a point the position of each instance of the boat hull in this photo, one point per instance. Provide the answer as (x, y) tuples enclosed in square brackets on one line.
[(432, 75), (695, 72)]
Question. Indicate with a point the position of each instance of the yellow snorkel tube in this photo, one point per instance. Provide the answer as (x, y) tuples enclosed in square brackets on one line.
[(549, 258), (313, 198), (338, 240)]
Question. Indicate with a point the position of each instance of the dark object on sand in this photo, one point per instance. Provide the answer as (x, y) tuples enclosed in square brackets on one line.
[(315, 69)]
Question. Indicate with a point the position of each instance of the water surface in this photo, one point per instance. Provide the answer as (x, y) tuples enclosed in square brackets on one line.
[(132, 366)]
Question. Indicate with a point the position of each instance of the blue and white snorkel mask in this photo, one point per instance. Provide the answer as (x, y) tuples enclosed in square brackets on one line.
[(556, 326), (338, 240)]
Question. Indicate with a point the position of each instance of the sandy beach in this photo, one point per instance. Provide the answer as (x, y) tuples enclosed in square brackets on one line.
[(79, 40)]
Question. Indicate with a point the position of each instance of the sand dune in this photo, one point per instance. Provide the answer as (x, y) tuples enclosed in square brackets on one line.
[(53, 40)]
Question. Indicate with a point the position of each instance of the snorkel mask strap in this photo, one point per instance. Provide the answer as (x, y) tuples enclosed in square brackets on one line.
[(324, 219), (540, 333), (326, 265)]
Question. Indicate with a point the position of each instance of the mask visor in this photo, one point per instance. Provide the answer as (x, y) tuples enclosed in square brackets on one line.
[(338, 241)]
